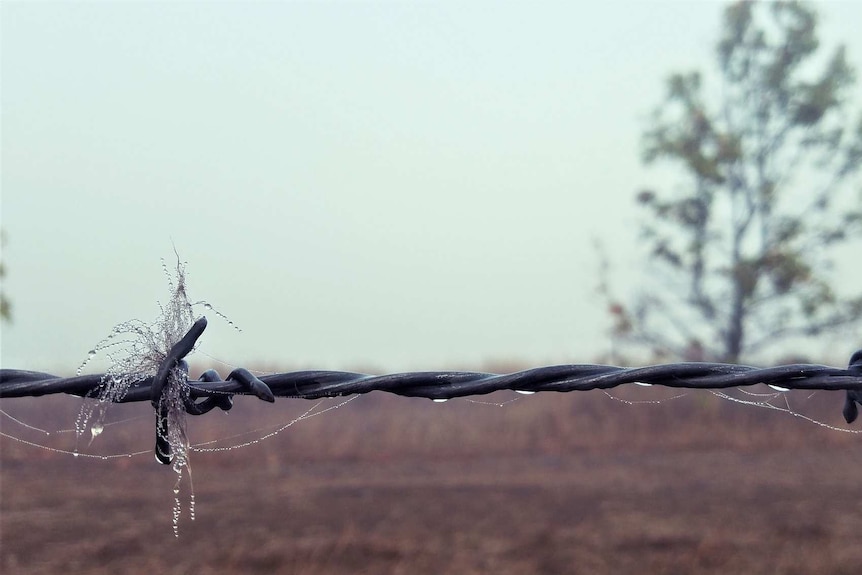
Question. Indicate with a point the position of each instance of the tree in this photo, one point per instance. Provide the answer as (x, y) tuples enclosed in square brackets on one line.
[(771, 162), (5, 306)]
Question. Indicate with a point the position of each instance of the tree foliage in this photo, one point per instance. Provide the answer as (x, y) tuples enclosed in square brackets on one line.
[(771, 186), (5, 306)]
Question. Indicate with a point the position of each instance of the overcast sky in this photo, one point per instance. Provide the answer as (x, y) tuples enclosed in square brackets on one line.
[(395, 185)]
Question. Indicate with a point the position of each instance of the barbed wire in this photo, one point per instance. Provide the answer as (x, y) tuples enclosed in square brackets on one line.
[(315, 384), (209, 391)]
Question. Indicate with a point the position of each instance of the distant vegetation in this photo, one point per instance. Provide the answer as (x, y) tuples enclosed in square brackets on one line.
[(769, 155), (5, 306)]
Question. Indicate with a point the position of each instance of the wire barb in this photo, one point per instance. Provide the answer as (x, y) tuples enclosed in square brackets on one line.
[(854, 397)]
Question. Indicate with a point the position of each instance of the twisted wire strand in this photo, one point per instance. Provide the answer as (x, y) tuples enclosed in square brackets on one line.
[(450, 384)]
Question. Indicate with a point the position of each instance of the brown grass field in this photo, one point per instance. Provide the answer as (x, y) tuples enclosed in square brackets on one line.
[(550, 483)]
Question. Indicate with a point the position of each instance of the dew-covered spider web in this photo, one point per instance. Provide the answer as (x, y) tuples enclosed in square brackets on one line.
[(134, 351)]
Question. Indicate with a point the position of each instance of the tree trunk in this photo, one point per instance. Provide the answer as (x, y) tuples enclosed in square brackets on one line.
[(736, 330)]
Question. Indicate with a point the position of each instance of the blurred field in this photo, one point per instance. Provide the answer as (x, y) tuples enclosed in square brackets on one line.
[(550, 483)]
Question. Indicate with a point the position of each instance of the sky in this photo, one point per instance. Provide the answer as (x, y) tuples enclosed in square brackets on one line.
[(390, 186)]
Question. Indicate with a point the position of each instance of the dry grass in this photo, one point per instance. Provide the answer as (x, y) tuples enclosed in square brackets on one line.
[(569, 483)]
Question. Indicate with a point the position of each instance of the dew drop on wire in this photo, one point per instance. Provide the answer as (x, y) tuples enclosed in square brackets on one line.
[(96, 430)]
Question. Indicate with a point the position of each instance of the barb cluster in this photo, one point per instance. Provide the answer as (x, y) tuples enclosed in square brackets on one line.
[(210, 391)]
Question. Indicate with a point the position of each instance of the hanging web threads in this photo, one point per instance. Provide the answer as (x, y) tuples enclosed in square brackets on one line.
[(139, 351)]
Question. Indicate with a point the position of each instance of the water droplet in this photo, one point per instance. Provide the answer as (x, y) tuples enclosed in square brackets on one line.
[(779, 388), (642, 384), (524, 392), (176, 490), (208, 306), (75, 454), (96, 429), (440, 400), (91, 354)]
